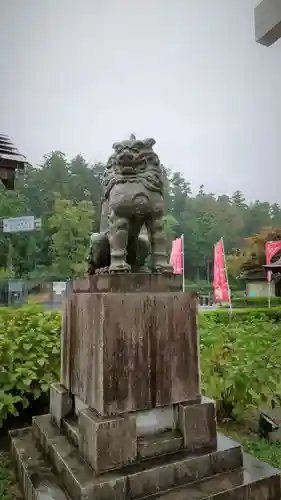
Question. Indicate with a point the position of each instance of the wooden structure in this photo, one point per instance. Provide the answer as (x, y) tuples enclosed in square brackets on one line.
[(274, 267), (10, 161), (268, 22), (256, 283)]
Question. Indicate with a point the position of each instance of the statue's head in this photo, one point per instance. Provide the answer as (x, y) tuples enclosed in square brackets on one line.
[(134, 159), (132, 156)]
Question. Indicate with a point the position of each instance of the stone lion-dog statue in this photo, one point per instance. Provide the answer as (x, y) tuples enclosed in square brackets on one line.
[(131, 227)]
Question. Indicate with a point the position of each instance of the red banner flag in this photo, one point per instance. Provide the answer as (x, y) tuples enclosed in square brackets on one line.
[(221, 288), (271, 249), (176, 259)]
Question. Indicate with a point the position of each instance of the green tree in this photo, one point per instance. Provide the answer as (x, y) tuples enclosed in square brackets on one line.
[(16, 250), (203, 218), (257, 217), (251, 258), (171, 230), (238, 200), (71, 225)]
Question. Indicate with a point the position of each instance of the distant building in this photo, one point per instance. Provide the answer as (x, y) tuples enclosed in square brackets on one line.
[(257, 285), (268, 22), (10, 161)]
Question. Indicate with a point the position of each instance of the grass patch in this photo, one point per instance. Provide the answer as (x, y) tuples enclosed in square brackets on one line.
[(265, 451)]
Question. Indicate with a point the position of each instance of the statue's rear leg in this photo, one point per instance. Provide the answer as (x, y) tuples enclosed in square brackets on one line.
[(157, 238), (118, 242)]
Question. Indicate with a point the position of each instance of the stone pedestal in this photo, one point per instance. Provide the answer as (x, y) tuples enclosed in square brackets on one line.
[(127, 420), (125, 351)]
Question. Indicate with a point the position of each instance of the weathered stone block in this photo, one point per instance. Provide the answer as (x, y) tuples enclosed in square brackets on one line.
[(61, 403), (34, 472), (62, 472), (156, 420), (107, 443), (124, 352), (151, 481), (160, 444), (127, 283), (197, 423)]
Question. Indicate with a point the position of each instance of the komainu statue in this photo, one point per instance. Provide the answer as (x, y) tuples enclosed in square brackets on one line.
[(131, 227)]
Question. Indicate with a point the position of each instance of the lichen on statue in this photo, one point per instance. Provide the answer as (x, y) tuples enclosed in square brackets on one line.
[(132, 225)]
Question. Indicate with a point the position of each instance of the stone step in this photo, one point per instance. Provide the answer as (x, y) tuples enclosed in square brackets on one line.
[(163, 443), (142, 479), (34, 471), (160, 444), (255, 481), (70, 426)]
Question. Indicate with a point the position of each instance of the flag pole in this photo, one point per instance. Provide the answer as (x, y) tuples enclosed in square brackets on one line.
[(182, 247), (226, 275)]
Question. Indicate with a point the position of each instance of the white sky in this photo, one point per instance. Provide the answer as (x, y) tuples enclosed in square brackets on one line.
[(79, 75)]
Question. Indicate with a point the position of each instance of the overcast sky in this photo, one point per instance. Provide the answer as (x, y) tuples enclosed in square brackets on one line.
[(79, 75)]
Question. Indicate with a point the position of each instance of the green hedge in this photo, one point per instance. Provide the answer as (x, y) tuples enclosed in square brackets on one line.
[(29, 355), (200, 287), (255, 301), (224, 316)]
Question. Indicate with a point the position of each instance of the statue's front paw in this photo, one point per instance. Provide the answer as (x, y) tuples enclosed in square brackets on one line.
[(163, 269), (102, 270), (120, 268)]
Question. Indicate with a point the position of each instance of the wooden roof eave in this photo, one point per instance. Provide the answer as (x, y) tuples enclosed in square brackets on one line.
[(273, 266)]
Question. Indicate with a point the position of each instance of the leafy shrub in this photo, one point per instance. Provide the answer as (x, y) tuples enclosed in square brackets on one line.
[(191, 287), (240, 363), (255, 301), (224, 316), (240, 357), (29, 355)]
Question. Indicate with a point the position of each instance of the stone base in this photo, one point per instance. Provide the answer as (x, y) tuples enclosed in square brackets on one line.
[(111, 443), (49, 464)]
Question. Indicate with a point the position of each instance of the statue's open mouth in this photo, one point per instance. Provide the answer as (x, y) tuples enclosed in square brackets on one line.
[(128, 170)]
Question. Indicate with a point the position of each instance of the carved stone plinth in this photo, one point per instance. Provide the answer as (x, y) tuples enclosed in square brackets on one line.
[(127, 421)]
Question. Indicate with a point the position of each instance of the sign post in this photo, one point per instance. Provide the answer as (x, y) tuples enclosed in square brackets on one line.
[(21, 224), (27, 223)]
